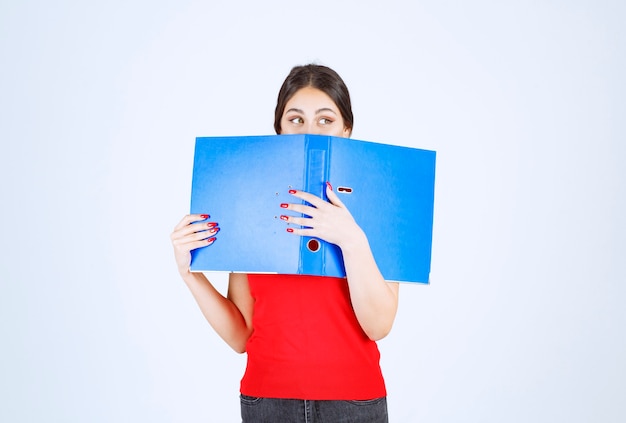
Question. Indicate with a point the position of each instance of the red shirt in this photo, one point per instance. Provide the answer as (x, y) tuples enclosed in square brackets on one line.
[(307, 342)]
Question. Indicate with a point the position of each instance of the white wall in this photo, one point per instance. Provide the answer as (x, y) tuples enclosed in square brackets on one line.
[(523, 101)]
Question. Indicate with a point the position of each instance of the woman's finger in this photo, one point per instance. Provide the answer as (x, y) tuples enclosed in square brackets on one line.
[(199, 235), (314, 200), (187, 247), (301, 221), (332, 197), (304, 232), (189, 219), (300, 208), (193, 228), (193, 241)]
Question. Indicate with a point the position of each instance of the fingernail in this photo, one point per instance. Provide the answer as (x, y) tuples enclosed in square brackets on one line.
[(290, 230), (283, 217), (211, 240), (284, 205), (204, 216), (214, 230), (211, 224), (292, 191), (329, 185)]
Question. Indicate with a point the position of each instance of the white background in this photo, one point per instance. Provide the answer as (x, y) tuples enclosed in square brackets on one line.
[(100, 105)]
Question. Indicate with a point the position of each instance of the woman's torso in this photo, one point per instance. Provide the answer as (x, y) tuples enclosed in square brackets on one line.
[(307, 342)]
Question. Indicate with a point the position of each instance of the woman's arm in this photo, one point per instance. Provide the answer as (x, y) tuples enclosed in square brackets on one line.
[(231, 316), (374, 300)]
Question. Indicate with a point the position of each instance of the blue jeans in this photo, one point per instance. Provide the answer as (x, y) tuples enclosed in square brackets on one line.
[(274, 410)]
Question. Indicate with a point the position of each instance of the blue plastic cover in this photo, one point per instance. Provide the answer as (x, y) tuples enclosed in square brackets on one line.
[(241, 181)]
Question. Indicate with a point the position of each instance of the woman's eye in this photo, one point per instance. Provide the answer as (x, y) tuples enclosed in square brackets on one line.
[(296, 120), (325, 121)]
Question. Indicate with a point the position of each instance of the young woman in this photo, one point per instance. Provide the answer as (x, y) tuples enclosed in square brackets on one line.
[(310, 341)]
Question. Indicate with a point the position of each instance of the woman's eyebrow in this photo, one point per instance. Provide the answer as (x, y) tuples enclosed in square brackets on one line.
[(317, 112), (325, 109)]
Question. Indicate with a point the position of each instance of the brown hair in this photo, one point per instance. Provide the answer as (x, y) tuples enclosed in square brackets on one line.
[(322, 78)]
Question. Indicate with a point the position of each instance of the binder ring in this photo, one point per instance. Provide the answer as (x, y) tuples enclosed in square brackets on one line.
[(313, 245)]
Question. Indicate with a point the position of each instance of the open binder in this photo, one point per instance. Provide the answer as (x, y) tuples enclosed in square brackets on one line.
[(241, 182)]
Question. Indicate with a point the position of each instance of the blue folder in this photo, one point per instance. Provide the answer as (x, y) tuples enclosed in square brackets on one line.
[(241, 182)]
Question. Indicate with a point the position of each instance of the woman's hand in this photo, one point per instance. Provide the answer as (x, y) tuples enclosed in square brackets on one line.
[(230, 317), (188, 235), (374, 301), (329, 221)]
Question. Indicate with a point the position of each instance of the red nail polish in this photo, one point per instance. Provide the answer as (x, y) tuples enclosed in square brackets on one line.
[(329, 185), (283, 217), (292, 191), (210, 240), (284, 205), (290, 230), (204, 216), (211, 224), (214, 230)]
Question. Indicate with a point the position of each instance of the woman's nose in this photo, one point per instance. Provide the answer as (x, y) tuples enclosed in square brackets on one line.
[(311, 128)]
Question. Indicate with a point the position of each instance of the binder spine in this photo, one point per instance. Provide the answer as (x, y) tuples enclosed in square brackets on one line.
[(312, 250)]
